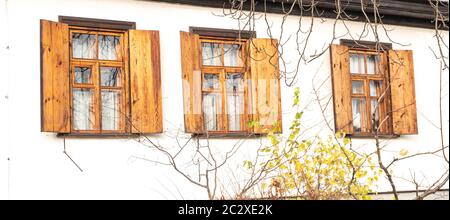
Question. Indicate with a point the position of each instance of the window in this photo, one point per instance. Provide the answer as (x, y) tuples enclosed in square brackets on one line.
[(223, 88), (373, 91), (99, 77), (368, 85)]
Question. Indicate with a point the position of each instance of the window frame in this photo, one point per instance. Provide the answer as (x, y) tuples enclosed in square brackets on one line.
[(367, 49), (223, 71), (96, 64)]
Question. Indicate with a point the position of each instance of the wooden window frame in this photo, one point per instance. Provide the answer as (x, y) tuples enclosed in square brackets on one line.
[(387, 131), (222, 33), (97, 23), (257, 71), (96, 84), (365, 45), (222, 71), (141, 85)]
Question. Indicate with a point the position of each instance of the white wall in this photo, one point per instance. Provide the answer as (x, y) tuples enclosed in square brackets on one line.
[(39, 170)]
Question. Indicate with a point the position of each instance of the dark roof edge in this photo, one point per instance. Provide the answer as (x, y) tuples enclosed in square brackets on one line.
[(393, 12)]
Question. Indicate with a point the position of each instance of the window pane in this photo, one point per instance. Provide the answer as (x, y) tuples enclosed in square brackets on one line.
[(374, 86), (357, 87), (83, 46), (210, 81), (372, 62), (109, 47), (211, 110), (83, 109), (374, 109), (235, 100), (356, 63), (235, 82), (211, 54), (231, 55), (359, 119), (110, 76), (83, 75), (111, 110)]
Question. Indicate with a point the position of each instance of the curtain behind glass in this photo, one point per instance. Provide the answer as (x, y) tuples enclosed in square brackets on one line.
[(83, 118), (235, 100), (231, 55), (211, 54), (110, 110), (211, 106)]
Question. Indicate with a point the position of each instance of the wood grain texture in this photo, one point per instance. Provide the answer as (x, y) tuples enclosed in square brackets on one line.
[(266, 94), (55, 85), (191, 75), (145, 82), (404, 112), (341, 81)]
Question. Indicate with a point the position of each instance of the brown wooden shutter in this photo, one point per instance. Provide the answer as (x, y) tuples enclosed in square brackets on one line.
[(145, 82), (403, 97), (265, 85), (192, 76), (55, 87), (342, 98)]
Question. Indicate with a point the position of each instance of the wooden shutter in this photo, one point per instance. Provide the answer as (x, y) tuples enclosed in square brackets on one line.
[(55, 88), (192, 76), (145, 82), (403, 98), (342, 98), (265, 85)]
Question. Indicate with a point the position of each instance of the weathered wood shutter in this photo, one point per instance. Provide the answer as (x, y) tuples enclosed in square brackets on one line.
[(403, 98), (145, 82), (192, 76), (265, 85), (342, 99), (55, 87)]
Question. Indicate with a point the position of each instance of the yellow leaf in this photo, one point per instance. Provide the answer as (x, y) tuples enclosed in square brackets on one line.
[(403, 152)]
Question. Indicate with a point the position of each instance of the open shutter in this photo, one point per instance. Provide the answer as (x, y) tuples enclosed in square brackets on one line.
[(342, 98), (55, 88), (265, 84), (403, 97), (145, 82), (192, 77)]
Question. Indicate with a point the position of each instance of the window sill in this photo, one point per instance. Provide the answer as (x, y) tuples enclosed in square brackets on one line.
[(371, 136), (102, 135), (231, 135)]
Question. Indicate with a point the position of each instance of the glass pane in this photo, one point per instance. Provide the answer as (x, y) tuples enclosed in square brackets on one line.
[(359, 121), (211, 54), (109, 47), (110, 76), (111, 110), (374, 86), (235, 100), (83, 46), (83, 75), (235, 109), (357, 87), (211, 110), (372, 62), (235, 82), (83, 109), (356, 63), (231, 55), (374, 109), (210, 81)]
